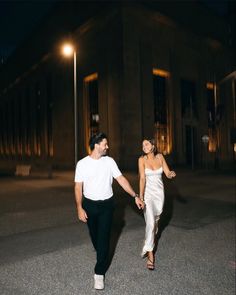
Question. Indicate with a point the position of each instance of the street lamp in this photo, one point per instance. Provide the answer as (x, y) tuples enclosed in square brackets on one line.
[(68, 50)]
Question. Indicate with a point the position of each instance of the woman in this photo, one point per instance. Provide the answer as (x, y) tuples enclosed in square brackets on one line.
[(151, 190)]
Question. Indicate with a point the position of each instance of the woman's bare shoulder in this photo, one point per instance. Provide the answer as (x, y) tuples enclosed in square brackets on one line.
[(141, 159), (159, 155)]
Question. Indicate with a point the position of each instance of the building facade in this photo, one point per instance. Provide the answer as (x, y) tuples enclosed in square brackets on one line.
[(142, 72)]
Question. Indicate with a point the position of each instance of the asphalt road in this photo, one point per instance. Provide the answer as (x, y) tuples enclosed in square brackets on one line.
[(44, 250)]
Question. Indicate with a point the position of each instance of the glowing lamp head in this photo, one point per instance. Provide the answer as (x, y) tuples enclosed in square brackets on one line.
[(67, 50)]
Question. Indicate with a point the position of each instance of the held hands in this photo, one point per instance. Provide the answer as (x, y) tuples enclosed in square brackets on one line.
[(82, 215), (171, 174), (140, 204)]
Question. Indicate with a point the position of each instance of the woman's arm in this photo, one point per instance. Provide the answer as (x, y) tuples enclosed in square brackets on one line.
[(142, 179), (168, 173)]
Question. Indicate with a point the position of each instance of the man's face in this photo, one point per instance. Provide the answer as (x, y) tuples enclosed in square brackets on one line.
[(102, 147)]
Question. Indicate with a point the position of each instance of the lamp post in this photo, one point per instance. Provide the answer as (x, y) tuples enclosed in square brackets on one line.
[(68, 50)]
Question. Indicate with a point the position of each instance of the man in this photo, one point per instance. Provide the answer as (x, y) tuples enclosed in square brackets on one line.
[(93, 180)]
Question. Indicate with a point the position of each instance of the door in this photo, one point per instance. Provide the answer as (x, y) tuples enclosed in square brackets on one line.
[(190, 145)]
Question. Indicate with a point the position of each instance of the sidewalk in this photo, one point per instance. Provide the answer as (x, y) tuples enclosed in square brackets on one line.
[(46, 251), (33, 203)]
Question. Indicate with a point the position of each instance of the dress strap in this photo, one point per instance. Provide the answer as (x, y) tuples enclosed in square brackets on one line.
[(159, 158)]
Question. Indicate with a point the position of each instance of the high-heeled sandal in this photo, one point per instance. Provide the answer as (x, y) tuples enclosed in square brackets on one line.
[(150, 264)]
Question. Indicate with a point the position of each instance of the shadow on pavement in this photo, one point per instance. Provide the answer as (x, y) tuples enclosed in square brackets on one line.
[(172, 194), (118, 224), (23, 246)]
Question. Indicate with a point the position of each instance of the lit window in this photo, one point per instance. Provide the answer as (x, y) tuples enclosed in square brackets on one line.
[(161, 120), (211, 108), (91, 93)]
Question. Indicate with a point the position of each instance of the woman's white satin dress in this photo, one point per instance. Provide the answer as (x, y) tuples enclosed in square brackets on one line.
[(154, 201)]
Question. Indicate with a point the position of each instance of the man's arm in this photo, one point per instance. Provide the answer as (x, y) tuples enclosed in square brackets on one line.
[(123, 182), (78, 197)]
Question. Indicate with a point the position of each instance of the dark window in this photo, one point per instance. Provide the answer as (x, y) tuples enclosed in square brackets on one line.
[(38, 120), (28, 122), (19, 123), (8, 127), (14, 130), (160, 105), (49, 117), (210, 107), (188, 98), (92, 87), (190, 145), (9, 132), (5, 128), (1, 131)]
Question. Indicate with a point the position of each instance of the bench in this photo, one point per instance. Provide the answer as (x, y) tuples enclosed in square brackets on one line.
[(23, 170)]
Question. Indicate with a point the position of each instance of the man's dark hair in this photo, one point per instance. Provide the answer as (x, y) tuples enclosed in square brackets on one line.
[(96, 138)]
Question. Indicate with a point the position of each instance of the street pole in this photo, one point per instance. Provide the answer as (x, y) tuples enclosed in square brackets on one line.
[(68, 50), (75, 109)]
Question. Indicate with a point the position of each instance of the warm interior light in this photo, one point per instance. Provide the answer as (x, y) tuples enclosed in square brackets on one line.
[(67, 49), (212, 141), (161, 73), (91, 77), (210, 86), (162, 138)]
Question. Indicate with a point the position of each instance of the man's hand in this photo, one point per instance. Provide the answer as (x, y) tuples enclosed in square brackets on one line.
[(140, 204), (82, 215)]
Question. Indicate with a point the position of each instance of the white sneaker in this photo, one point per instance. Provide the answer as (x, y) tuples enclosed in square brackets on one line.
[(98, 282)]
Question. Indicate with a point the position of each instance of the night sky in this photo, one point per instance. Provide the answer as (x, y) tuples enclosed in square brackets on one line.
[(19, 18)]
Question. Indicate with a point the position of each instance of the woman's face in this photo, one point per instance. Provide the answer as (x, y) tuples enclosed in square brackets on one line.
[(147, 147)]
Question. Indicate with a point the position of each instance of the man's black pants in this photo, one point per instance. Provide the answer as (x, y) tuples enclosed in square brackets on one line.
[(99, 222)]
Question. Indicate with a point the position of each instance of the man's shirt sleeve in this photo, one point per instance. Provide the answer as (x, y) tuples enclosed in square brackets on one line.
[(115, 170), (79, 173)]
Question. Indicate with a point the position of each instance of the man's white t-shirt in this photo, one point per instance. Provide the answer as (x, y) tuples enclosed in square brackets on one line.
[(97, 177)]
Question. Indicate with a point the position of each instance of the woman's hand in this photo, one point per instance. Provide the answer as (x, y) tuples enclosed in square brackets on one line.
[(171, 174), (140, 204)]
